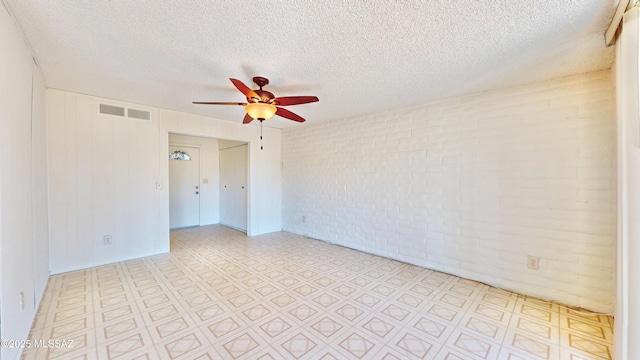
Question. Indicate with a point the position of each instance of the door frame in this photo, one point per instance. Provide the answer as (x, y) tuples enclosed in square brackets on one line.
[(165, 153), (193, 146)]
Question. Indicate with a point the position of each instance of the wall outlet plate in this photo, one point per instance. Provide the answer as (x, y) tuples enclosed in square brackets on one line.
[(533, 262), (108, 240)]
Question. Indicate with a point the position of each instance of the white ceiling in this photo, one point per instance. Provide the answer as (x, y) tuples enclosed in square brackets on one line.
[(357, 56)]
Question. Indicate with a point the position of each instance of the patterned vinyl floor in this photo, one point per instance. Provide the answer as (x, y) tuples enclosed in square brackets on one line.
[(222, 295)]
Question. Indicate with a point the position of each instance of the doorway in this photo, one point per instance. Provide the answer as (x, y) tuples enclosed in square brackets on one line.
[(213, 161), (184, 188)]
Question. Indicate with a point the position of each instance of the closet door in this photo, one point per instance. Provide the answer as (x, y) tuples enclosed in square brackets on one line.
[(241, 189), (233, 187), (227, 205)]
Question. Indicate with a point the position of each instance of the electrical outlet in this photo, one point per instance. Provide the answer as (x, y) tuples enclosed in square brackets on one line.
[(304, 219), (533, 262), (21, 300), (158, 185), (107, 239)]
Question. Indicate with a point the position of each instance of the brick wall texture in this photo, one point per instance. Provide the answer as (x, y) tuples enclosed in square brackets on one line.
[(472, 186)]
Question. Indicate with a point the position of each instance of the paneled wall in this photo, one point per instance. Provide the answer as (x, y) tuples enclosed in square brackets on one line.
[(24, 239), (104, 173), (472, 186)]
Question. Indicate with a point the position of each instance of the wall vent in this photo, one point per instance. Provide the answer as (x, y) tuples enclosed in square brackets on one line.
[(139, 114), (111, 110), (125, 112)]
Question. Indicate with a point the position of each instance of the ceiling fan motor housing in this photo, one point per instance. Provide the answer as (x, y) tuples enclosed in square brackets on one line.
[(265, 96)]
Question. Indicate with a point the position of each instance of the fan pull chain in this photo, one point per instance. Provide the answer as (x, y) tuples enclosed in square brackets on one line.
[(260, 134)]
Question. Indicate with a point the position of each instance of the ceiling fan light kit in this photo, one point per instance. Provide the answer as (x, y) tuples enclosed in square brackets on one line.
[(260, 111), (262, 105)]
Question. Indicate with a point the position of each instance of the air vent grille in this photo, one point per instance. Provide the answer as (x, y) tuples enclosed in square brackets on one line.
[(111, 110), (139, 114), (121, 111)]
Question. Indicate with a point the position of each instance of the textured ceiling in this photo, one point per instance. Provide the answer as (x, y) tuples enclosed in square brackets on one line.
[(358, 57)]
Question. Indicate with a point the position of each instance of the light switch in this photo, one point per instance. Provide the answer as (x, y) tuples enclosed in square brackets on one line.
[(205, 181)]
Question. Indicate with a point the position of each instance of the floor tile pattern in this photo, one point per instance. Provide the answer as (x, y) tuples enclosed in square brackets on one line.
[(222, 295)]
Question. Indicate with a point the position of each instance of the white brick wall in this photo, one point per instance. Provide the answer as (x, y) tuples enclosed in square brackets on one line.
[(471, 186)]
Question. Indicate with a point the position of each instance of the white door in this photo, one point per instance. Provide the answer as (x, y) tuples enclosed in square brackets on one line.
[(233, 187), (242, 179), (184, 189), (227, 205)]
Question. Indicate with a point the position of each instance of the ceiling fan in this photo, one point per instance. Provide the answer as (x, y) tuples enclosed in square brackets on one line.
[(261, 104)]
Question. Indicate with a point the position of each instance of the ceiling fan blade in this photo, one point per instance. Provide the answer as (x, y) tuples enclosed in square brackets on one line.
[(289, 115), (247, 119), (219, 103), (294, 100), (244, 89)]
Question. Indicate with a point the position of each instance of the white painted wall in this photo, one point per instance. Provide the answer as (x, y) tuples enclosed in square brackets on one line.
[(102, 175), (471, 186), (209, 170), (103, 172), (627, 325), (225, 144), (23, 192)]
